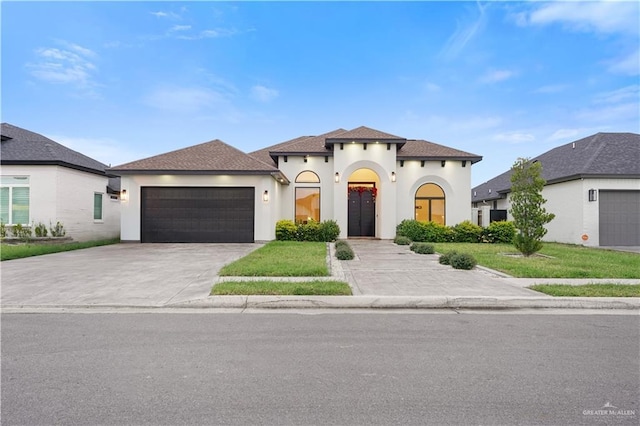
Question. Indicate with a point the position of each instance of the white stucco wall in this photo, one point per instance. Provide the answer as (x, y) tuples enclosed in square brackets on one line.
[(66, 195), (266, 213)]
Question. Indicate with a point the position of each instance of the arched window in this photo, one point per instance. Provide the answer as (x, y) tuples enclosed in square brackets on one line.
[(430, 204), (307, 198), (307, 177)]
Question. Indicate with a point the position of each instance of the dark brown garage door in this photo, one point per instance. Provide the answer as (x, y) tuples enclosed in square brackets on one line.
[(197, 215)]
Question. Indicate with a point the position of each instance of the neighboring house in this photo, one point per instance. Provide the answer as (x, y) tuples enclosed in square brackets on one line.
[(593, 188), (45, 182), (366, 180)]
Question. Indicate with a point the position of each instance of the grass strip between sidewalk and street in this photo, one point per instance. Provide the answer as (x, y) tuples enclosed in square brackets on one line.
[(555, 260), (589, 290), (282, 288), (19, 251), (281, 259)]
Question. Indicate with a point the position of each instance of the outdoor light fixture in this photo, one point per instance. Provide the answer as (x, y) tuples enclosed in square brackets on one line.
[(593, 195), (442, 163), (265, 196), (393, 176), (337, 177), (123, 195)]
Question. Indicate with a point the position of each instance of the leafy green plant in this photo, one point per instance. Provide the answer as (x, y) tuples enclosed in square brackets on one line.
[(309, 231), (22, 232), (445, 259), (3, 230), (411, 229), (58, 230), (499, 232), (431, 232), (463, 261), (344, 252), (527, 203), (422, 248), (286, 230), (401, 240), (40, 229), (341, 243), (466, 232), (329, 230)]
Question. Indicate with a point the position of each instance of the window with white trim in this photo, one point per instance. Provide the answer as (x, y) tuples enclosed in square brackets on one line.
[(14, 200), (97, 206)]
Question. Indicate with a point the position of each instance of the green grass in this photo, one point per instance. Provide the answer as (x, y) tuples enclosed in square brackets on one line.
[(11, 251), (589, 290), (307, 288), (281, 259), (564, 261)]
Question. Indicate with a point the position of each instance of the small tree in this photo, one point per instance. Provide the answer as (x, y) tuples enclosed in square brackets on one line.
[(529, 215)]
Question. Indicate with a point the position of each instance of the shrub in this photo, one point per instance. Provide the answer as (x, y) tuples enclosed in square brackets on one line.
[(422, 248), (58, 230), (466, 232), (309, 231), (430, 232), (344, 251), (401, 240), (445, 259), (499, 232), (40, 229), (3, 230), (23, 232), (463, 261), (286, 230), (329, 230)]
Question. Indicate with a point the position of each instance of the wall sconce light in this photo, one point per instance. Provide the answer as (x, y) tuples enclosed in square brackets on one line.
[(442, 163), (306, 158), (265, 196), (337, 177), (593, 195), (393, 176), (123, 195)]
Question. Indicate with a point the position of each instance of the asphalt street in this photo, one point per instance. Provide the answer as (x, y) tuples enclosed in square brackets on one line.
[(296, 368)]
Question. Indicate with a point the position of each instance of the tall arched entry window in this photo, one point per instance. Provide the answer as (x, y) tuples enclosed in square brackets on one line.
[(307, 198), (430, 204)]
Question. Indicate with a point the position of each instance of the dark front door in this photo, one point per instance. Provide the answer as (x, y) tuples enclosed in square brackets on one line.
[(362, 211), (197, 214)]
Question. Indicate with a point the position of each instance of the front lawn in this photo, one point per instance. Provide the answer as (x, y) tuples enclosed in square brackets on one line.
[(18, 251), (281, 259), (557, 260), (279, 288), (589, 290)]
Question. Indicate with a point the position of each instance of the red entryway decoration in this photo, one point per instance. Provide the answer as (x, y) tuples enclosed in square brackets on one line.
[(361, 189)]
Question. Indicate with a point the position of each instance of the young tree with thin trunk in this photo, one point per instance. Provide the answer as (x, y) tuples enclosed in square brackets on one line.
[(529, 215)]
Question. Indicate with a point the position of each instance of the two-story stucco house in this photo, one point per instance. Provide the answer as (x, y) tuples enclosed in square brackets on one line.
[(45, 182), (592, 186), (366, 180)]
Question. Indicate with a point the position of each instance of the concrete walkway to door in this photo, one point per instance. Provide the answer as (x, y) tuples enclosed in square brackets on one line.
[(382, 268)]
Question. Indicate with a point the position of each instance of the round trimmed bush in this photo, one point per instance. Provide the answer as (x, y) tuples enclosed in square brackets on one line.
[(445, 259), (463, 261), (401, 240), (423, 248), (344, 252), (499, 232)]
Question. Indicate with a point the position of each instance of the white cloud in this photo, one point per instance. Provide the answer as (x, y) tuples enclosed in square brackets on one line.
[(496, 76), (601, 17), (464, 33), (70, 65), (184, 99), (552, 88), (623, 94), (514, 137), (563, 134), (161, 14), (263, 94), (212, 33), (628, 65), (180, 28), (432, 87)]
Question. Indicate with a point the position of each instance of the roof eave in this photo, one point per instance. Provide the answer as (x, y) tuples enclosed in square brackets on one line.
[(121, 172), (473, 158), (54, 163), (332, 141)]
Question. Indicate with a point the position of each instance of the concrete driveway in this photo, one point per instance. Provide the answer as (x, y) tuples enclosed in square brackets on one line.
[(120, 274)]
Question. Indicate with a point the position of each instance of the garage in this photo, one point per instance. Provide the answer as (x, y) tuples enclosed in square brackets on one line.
[(619, 218), (197, 214)]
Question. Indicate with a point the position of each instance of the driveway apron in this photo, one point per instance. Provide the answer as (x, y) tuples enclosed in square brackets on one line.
[(383, 268), (119, 274)]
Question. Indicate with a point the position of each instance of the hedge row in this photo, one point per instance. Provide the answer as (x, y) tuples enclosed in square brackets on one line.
[(288, 230), (464, 232)]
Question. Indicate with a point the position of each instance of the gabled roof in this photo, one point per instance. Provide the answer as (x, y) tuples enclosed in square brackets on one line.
[(615, 155), (21, 146), (214, 157), (303, 145), (364, 134)]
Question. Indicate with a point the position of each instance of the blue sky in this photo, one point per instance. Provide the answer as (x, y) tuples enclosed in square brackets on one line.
[(120, 81)]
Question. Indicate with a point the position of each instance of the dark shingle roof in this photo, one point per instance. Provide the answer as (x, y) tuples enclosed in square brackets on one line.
[(424, 150), (599, 155), (364, 133), (21, 146), (209, 158)]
